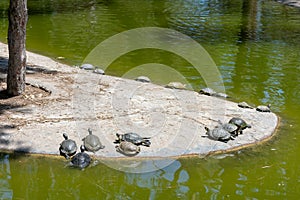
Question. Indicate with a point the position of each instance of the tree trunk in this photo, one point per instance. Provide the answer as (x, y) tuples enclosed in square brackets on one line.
[(17, 17)]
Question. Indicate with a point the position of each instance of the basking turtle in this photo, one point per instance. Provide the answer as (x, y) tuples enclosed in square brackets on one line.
[(87, 67), (99, 71), (81, 160), (134, 138), (207, 91), (128, 148), (92, 142), (219, 134), (262, 108), (143, 79), (240, 123), (244, 105), (68, 147), (220, 94), (231, 128), (176, 85)]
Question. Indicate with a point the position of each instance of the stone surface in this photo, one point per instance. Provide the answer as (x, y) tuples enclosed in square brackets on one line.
[(174, 119)]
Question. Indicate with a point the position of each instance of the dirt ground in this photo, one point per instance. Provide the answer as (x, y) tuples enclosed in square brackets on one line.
[(32, 95)]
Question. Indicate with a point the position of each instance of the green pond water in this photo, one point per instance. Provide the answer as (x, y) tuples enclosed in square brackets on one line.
[(256, 47)]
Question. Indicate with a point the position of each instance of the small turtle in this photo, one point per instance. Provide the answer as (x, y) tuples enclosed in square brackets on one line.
[(134, 138), (207, 91), (231, 128), (128, 148), (68, 147), (262, 108), (87, 67), (244, 105), (92, 142), (240, 123), (176, 85), (220, 94), (81, 160), (99, 71), (143, 79), (219, 134)]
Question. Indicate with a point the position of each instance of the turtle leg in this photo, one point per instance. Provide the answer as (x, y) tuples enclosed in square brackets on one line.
[(146, 143), (117, 141), (239, 131)]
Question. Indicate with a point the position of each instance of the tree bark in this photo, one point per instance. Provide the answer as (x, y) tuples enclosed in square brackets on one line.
[(17, 17)]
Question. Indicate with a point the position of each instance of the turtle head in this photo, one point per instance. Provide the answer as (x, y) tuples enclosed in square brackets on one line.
[(118, 135), (82, 149), (90, 131), (146, 143), (65, 136)]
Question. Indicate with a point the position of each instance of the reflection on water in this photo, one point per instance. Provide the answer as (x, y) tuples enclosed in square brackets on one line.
[(5, 176), (255, 45), (252, 174)]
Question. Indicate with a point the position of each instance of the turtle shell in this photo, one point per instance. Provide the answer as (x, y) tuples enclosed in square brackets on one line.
[(244, 105), (68, 147), (87, 66), (239, 122), (176, 85), (219, 94), (134, 138), (231, 128), (219, 134), (128, 148), (262, 108), (92, 142), (81, 160), (99, 71), (207, 91), (143, 79)]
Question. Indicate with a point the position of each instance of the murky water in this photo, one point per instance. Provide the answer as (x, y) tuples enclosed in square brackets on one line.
[(256, 46)]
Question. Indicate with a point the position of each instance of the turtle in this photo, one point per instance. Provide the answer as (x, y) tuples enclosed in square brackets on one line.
[(220, 94), (244, 105), (231, 128), (240, 123), (68, 147), (81, 160), (134, 138), (87, 67), (207, 91), (143, 79), (92, 143), (128, 148), (176, 85), (262, 108), (219, 134), (99, 71)]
